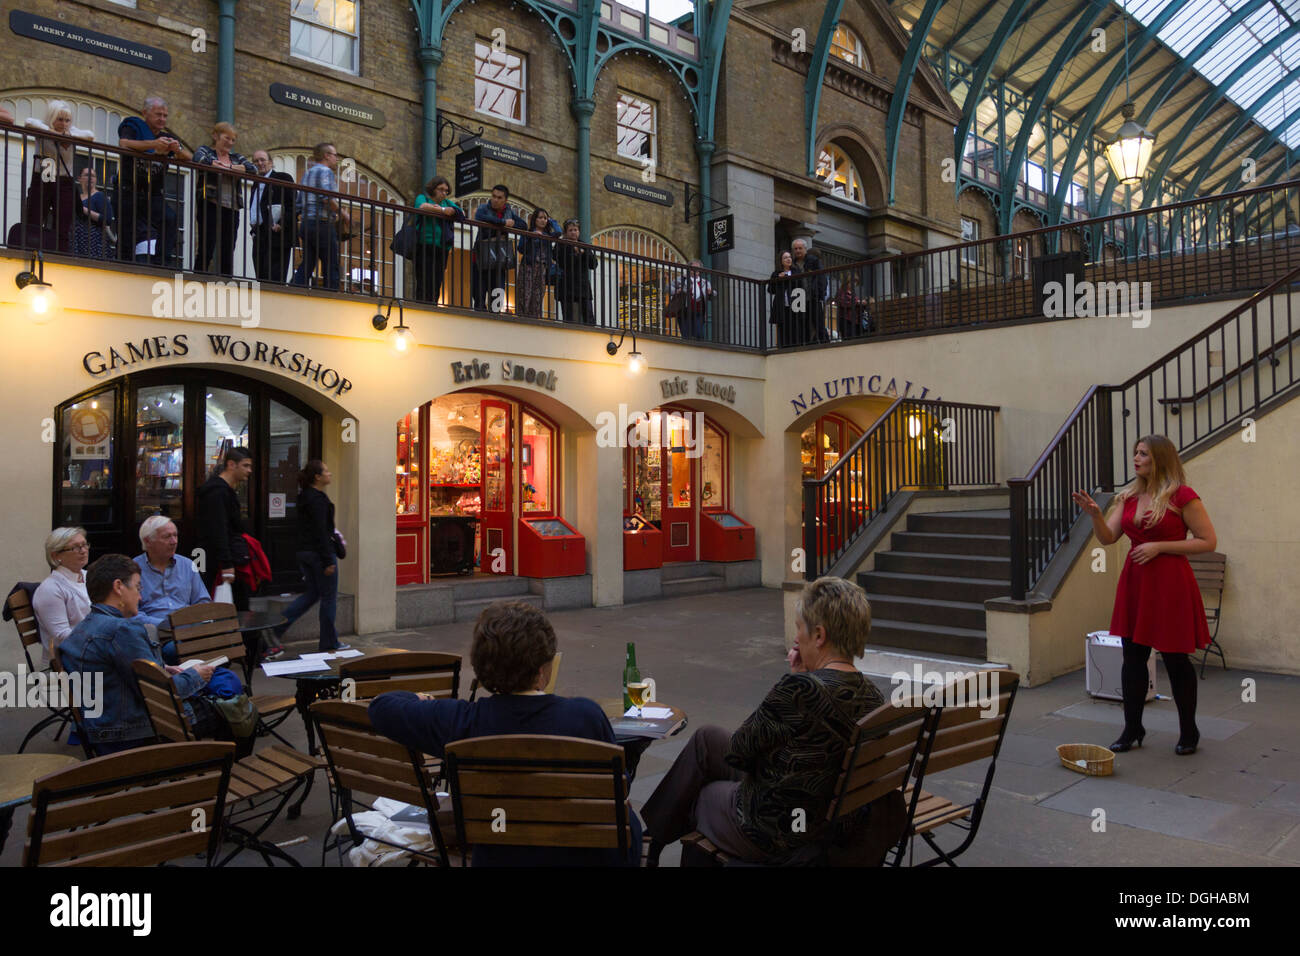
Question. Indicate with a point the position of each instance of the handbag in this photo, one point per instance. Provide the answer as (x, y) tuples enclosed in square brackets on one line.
[(407, 239), (340, 546), (678, 303), (496, 252), (224, 594)]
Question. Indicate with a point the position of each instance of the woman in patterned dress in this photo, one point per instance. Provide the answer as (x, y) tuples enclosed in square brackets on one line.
[(1157, 604)]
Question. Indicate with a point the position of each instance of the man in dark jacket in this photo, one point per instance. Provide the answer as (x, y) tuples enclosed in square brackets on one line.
[(221, 528), (814, 321), (271, 217)]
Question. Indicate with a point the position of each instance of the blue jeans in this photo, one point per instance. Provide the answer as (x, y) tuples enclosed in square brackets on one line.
[(321, 587), (320, 242)]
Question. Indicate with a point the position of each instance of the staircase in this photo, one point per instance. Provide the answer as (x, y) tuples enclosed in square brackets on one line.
[(928, 591), (692, 577), (471, 596)]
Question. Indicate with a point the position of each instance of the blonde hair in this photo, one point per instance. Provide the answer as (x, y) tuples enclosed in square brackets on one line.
[(842, 608), (57, 541), (223, 127), (54, 109), (1167, 476)]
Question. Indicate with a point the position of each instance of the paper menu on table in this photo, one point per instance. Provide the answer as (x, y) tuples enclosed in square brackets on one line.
[(650, 713), (277, 668), (351, 652), (319, 656)]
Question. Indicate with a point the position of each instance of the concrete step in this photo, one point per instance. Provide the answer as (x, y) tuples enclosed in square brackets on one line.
[(894, 607), (307, 627), (935, 587), (470, 609), (701, 584), (929, 542), (689, 569), (930, 638), (483, 586), (962, 522), (956, 565)]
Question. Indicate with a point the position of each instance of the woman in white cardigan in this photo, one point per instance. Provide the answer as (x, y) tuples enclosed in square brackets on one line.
[(61, 601)]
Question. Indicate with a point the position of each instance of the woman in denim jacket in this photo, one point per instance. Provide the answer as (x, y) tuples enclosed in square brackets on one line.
[(106, 645)]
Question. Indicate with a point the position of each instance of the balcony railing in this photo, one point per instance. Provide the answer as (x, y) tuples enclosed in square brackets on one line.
[(183, 217)]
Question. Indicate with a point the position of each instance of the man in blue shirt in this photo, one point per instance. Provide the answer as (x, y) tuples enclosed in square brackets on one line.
[(493, 253), (109, 641), (145, 215), (317, 215), (168, 581)]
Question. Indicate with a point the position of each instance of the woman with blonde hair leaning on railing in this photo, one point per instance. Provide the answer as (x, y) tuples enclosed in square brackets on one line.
[(1157, 604)]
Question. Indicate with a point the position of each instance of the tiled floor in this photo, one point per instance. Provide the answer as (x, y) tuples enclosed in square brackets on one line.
[(1235, 802)]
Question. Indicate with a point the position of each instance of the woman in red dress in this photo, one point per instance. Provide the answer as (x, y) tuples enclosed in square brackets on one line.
[(1157, 604)]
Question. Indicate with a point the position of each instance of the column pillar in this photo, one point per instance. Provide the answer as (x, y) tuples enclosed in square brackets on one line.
[(704, 150), (226, 61), (583, 108), (430, 59), (600, 516)]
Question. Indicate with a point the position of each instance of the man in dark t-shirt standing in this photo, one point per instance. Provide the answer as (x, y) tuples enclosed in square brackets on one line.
[(147, 221), (221, 526)]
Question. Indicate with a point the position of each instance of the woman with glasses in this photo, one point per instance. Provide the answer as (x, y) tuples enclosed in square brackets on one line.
[(61, 601)]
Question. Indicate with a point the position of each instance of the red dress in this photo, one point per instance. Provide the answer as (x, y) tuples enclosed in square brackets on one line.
[(1158, 603)]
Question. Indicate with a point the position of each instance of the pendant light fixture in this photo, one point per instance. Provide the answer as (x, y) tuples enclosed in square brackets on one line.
[(1130, 151)]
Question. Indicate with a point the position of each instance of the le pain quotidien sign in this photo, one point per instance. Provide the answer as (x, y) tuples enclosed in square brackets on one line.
[(78, 38), (851, 385), (225, 348), (314, 102)]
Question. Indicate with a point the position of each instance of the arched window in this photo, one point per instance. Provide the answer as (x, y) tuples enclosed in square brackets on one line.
[(837, 171), (366, 262), (847, 45), (635, 287)]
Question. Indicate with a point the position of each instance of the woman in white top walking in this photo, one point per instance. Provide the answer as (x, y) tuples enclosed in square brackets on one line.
[(61, 601)]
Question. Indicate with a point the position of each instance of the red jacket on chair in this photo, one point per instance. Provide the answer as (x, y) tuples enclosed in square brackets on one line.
[(258, 568)]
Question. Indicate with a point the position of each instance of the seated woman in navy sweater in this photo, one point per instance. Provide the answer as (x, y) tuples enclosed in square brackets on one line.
[(511, 654)]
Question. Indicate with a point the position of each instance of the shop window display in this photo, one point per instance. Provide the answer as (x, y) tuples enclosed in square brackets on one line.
[(87, 482)]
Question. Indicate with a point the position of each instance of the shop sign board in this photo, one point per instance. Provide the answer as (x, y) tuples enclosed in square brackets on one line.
[(512, 370), (857, 385), (705, 388), (78, 38), (315, 102)]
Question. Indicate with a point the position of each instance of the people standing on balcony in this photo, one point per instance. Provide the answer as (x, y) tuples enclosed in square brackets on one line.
[(811, 306), (1157, 604), (271, 221), (572, 283), (436, 239), (52, 196), (147, 230), (850, 309), (537, 259), (218, 199), (692, 314), (319, 217), (92, 234), (493, 255), (779, 287)]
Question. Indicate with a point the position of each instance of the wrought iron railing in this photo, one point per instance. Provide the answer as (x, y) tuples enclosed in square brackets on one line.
[(914, 445), (1208, 385)]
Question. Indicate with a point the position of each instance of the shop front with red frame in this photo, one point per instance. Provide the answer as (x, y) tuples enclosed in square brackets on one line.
[(676, 470), (470, 466), (820, 446)]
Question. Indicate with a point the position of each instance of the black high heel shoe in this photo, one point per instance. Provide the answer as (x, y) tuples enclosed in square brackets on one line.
[(1183, 749), (1127, 741)]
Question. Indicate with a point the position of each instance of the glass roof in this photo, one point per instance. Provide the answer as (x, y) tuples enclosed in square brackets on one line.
[(1275, 111)]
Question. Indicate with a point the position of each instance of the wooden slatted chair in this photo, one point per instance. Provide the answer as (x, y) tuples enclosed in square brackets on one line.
[(29, 633), (562, 792), (74, 713), (424, 672), (211, 630), (260, 784), (136, 808), (1211, 571), (363, 761), (884, 752), (957, 735)]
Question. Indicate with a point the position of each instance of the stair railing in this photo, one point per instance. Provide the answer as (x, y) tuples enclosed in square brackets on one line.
[(1210, 384), (914, 445)]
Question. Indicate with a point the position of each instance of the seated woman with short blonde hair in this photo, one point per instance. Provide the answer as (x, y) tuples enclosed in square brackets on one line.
[(61, 602)]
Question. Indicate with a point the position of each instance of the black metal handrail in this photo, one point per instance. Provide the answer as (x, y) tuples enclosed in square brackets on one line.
[(916, 444), (1186, 395)]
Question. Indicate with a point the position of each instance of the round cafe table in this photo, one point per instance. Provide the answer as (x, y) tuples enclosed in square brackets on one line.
[(634, 744), (17, 774)]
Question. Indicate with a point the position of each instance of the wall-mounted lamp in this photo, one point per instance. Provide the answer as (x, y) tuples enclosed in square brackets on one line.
[(403, 339), (37, 294), (635, 360)]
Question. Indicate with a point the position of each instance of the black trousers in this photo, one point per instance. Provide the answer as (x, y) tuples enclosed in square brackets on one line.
[(271, 254), (216, 238), (430, 265)]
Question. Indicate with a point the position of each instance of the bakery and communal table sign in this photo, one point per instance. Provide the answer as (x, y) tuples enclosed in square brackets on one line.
[(89, 41)]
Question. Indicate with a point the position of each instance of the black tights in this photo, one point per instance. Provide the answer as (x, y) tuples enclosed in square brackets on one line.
[(1182, 681)]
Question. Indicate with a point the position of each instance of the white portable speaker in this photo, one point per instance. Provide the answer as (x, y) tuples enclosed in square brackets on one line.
[(1104, 659)]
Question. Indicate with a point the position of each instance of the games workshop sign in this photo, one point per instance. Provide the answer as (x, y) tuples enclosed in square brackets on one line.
[(327, 105), (89, 41)]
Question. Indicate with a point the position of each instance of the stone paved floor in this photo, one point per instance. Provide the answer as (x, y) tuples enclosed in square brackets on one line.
[(1236, 802)]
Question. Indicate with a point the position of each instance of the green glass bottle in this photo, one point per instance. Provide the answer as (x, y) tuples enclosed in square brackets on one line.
[(630, 674)]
